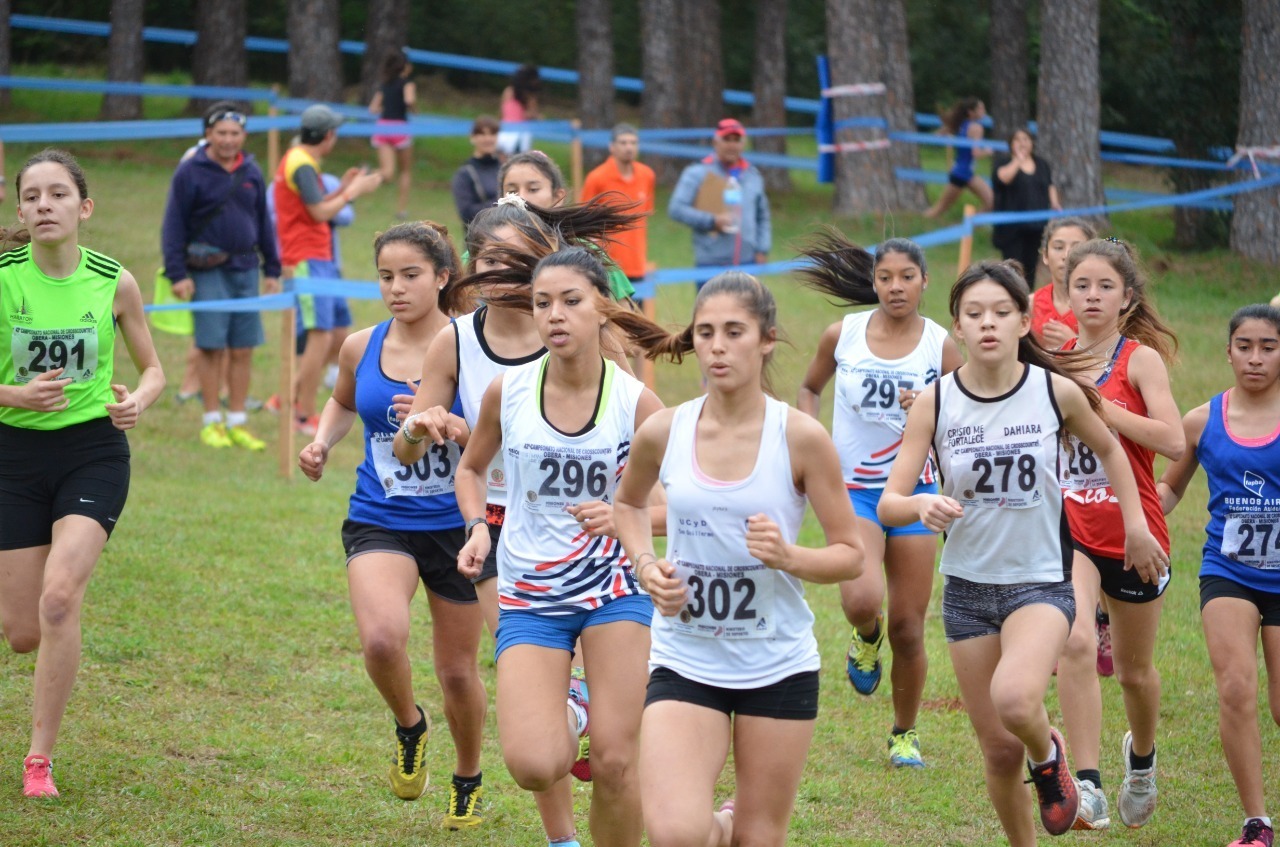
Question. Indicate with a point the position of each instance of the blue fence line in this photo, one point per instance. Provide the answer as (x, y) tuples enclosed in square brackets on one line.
[(802, 105), (368, 290)]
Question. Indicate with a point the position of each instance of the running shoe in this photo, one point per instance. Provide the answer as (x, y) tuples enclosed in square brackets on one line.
[(904, 750), (1093, 813), (242, 437), (579, 694), (308, 426), (251, 404), (181, 397), (1256, 833), (1138, 791), (863, 662), (464, 804), (273, 404), (1056, 789), (1102, 626), (331, 375), (215, 435), (37, 777), (408, 775)]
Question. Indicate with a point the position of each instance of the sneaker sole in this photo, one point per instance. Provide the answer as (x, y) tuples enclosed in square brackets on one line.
[(1083, 825)]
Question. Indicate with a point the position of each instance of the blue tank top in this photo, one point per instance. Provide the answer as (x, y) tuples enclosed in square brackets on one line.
[(390, 495), (1242, 539), (962, 168)]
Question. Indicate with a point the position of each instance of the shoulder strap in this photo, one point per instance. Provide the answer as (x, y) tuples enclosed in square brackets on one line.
[(475, 181), (217, 210)]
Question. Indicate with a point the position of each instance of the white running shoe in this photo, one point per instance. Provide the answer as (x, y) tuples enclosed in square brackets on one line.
[(1093, 813), (1138, 791)]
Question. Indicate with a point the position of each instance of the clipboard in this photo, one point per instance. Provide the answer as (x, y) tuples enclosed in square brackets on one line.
[(711, 194)]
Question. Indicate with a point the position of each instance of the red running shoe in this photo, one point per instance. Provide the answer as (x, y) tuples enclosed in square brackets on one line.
[(1056, 788), (37, 777), (1102, 626), (578, 694)]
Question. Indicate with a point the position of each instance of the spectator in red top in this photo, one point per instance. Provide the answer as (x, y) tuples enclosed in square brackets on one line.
[(1052, 322), (631, 181)]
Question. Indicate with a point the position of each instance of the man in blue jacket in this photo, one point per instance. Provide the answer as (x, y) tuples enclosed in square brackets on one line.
[(215, 235), (727, 229)]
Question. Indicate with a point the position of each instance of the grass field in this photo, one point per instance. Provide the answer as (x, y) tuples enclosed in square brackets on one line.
[(222, 699)]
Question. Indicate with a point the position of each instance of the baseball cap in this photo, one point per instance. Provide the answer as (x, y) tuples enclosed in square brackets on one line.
[(729, 126), (320, 119)]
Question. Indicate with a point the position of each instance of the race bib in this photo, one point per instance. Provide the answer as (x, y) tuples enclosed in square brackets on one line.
[(1005, 476), (725, 602), (555, 479), (876, 397), (1080, 468), (429, 476), (37, 351), (1253, 539)]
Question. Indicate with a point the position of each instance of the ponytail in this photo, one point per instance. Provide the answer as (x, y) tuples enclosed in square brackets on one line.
[(839, 269)]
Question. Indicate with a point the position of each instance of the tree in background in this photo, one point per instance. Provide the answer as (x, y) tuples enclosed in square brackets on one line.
[(6, 51), (219, 56), (660, 108), (315, 67), (864, 180), (900, 100), (1009, 67), (1069, 105), (124, 59), (701, 63), (595, 70), (386, 29), (1255, 226), (769, 85)]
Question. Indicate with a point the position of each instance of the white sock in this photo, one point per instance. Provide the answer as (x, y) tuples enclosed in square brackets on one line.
[(1266, 821), (237, 418), (212, 418), (1053, 757), (579, 715)]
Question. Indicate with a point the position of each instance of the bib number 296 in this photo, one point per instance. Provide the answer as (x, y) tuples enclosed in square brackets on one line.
[(569, 478)]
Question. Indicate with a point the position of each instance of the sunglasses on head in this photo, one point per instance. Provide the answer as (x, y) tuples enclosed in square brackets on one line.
[(218, 117)]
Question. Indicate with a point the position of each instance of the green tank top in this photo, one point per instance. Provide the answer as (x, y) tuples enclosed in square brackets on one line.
[(58, 323)]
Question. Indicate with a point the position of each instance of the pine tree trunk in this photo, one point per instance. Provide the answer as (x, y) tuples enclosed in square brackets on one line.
[(124, 59), (1069, 101), (219, 57), (1255, 225), (769, 83), (595, 70), (6, 50), (900, 100), (315, 67), (660, 50), (386, 30), (701, 71), (1009, 66), (864, 180)]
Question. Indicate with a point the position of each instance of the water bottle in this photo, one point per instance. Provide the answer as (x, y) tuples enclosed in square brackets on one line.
[(733, 203)]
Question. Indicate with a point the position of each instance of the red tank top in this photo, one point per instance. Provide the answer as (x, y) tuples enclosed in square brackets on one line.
[(1093, 512), (1043, 311)]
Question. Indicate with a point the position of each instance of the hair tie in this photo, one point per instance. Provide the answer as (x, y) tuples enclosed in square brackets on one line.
[(1114, 240), (513, 199)]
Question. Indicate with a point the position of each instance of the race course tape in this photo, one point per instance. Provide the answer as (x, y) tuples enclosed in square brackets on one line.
[(368, 290)]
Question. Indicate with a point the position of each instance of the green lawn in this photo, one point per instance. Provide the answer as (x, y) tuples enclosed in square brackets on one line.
[(222, 698)]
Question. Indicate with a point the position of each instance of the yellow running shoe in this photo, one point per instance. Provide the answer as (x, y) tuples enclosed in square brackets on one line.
[(408, 776), (242, 437), (464, 803), (215, 435)]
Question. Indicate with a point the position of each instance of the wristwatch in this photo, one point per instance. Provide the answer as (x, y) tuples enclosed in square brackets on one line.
[(472, 524)]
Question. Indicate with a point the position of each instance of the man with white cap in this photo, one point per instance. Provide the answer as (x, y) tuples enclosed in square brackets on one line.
[(303, 210)]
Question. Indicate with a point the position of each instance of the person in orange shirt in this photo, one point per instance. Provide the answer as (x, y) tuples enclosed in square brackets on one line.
[(624, 175)]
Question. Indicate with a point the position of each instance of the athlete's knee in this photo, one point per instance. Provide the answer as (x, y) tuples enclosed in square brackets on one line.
[(676, 831), (532, 770), (1138, 677), (59, 605), (22, 637), (1017, 706), (384, 645), (613, 767), (1237, 692), (1082, 645), (906, 638), (1003, 755), (457, 676)]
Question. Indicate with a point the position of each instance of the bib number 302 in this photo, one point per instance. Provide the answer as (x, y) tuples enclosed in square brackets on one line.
[(724, 602)]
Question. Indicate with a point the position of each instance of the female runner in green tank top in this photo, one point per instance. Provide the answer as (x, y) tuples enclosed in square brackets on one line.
[(64, 459)]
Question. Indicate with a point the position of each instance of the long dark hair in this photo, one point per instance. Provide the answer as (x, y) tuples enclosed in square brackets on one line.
[(1139, 320), (845, 272), (1072, 365), (1254, 312), (432, 240), (526, 83), (539, 161), (959, 113)]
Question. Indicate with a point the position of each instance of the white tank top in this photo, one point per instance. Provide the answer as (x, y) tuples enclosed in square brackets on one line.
[(546, 562), (867, 421), (746, 625), (477, 366), (998, 457)]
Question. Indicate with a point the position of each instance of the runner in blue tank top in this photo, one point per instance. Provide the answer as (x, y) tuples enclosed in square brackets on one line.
[(403, 524), (1235, 437)]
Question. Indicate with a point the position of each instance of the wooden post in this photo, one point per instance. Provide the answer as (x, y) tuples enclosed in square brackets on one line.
[(273, 138), (288, 361), (3, 171), (575, 158), (966, 244), (647, 373)]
